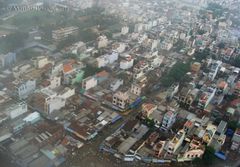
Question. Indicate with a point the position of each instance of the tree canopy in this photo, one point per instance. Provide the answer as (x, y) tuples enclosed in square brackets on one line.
[(175, 74)]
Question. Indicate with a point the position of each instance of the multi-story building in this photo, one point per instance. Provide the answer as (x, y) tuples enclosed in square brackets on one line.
[(137, 88), (121, 99), (40, 61), (102, 42), (126, 63), (63, 33), (215, 66), (176, 142), (236, 140), (237, 89), (24, 88), (206, 95), (116, 84), (89, 82), (168, 119), (16, 110), (195, 67), (125, 30), (209, 133), (104, 60), (48, 101), (187, 96), (6, 60)]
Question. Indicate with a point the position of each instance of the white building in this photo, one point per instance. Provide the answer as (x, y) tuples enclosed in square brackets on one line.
[(155, 44), (16, 110), (89, 83), (126, 63), (139, 27), (215, 66), (137, 88), (116, 84), (32, 118), (102, 61), (55, 82), (24, 89), (124, 30), (168, 119), (207, 94), (121, 47), (121, 99), (66, 93), (102, 41), (41, 61), (176, 142), (156, 61)]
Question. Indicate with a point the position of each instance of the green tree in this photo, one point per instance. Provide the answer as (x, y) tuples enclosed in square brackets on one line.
[(13, 41)]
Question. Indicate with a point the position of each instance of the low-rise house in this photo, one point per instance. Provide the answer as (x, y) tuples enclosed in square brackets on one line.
[(222, 87), (147, 109), (82, 131), (195, 67), (195, 150)]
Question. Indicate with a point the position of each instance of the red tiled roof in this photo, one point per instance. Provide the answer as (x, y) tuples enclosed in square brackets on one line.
[(102, 74), (188, 124), (235, 102), (237, 85), (148, 106), (67, 67), (222, 84)]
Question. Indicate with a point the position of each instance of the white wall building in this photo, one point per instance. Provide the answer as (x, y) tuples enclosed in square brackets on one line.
[(125, 30), (102, 61), (25, 88), (168, 119), (16, 110), (89, 83), (102, 42), (41, 61), (121, 48), (55, 82), (116, 84), (215, 66), (121, 99), (126, 63)]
